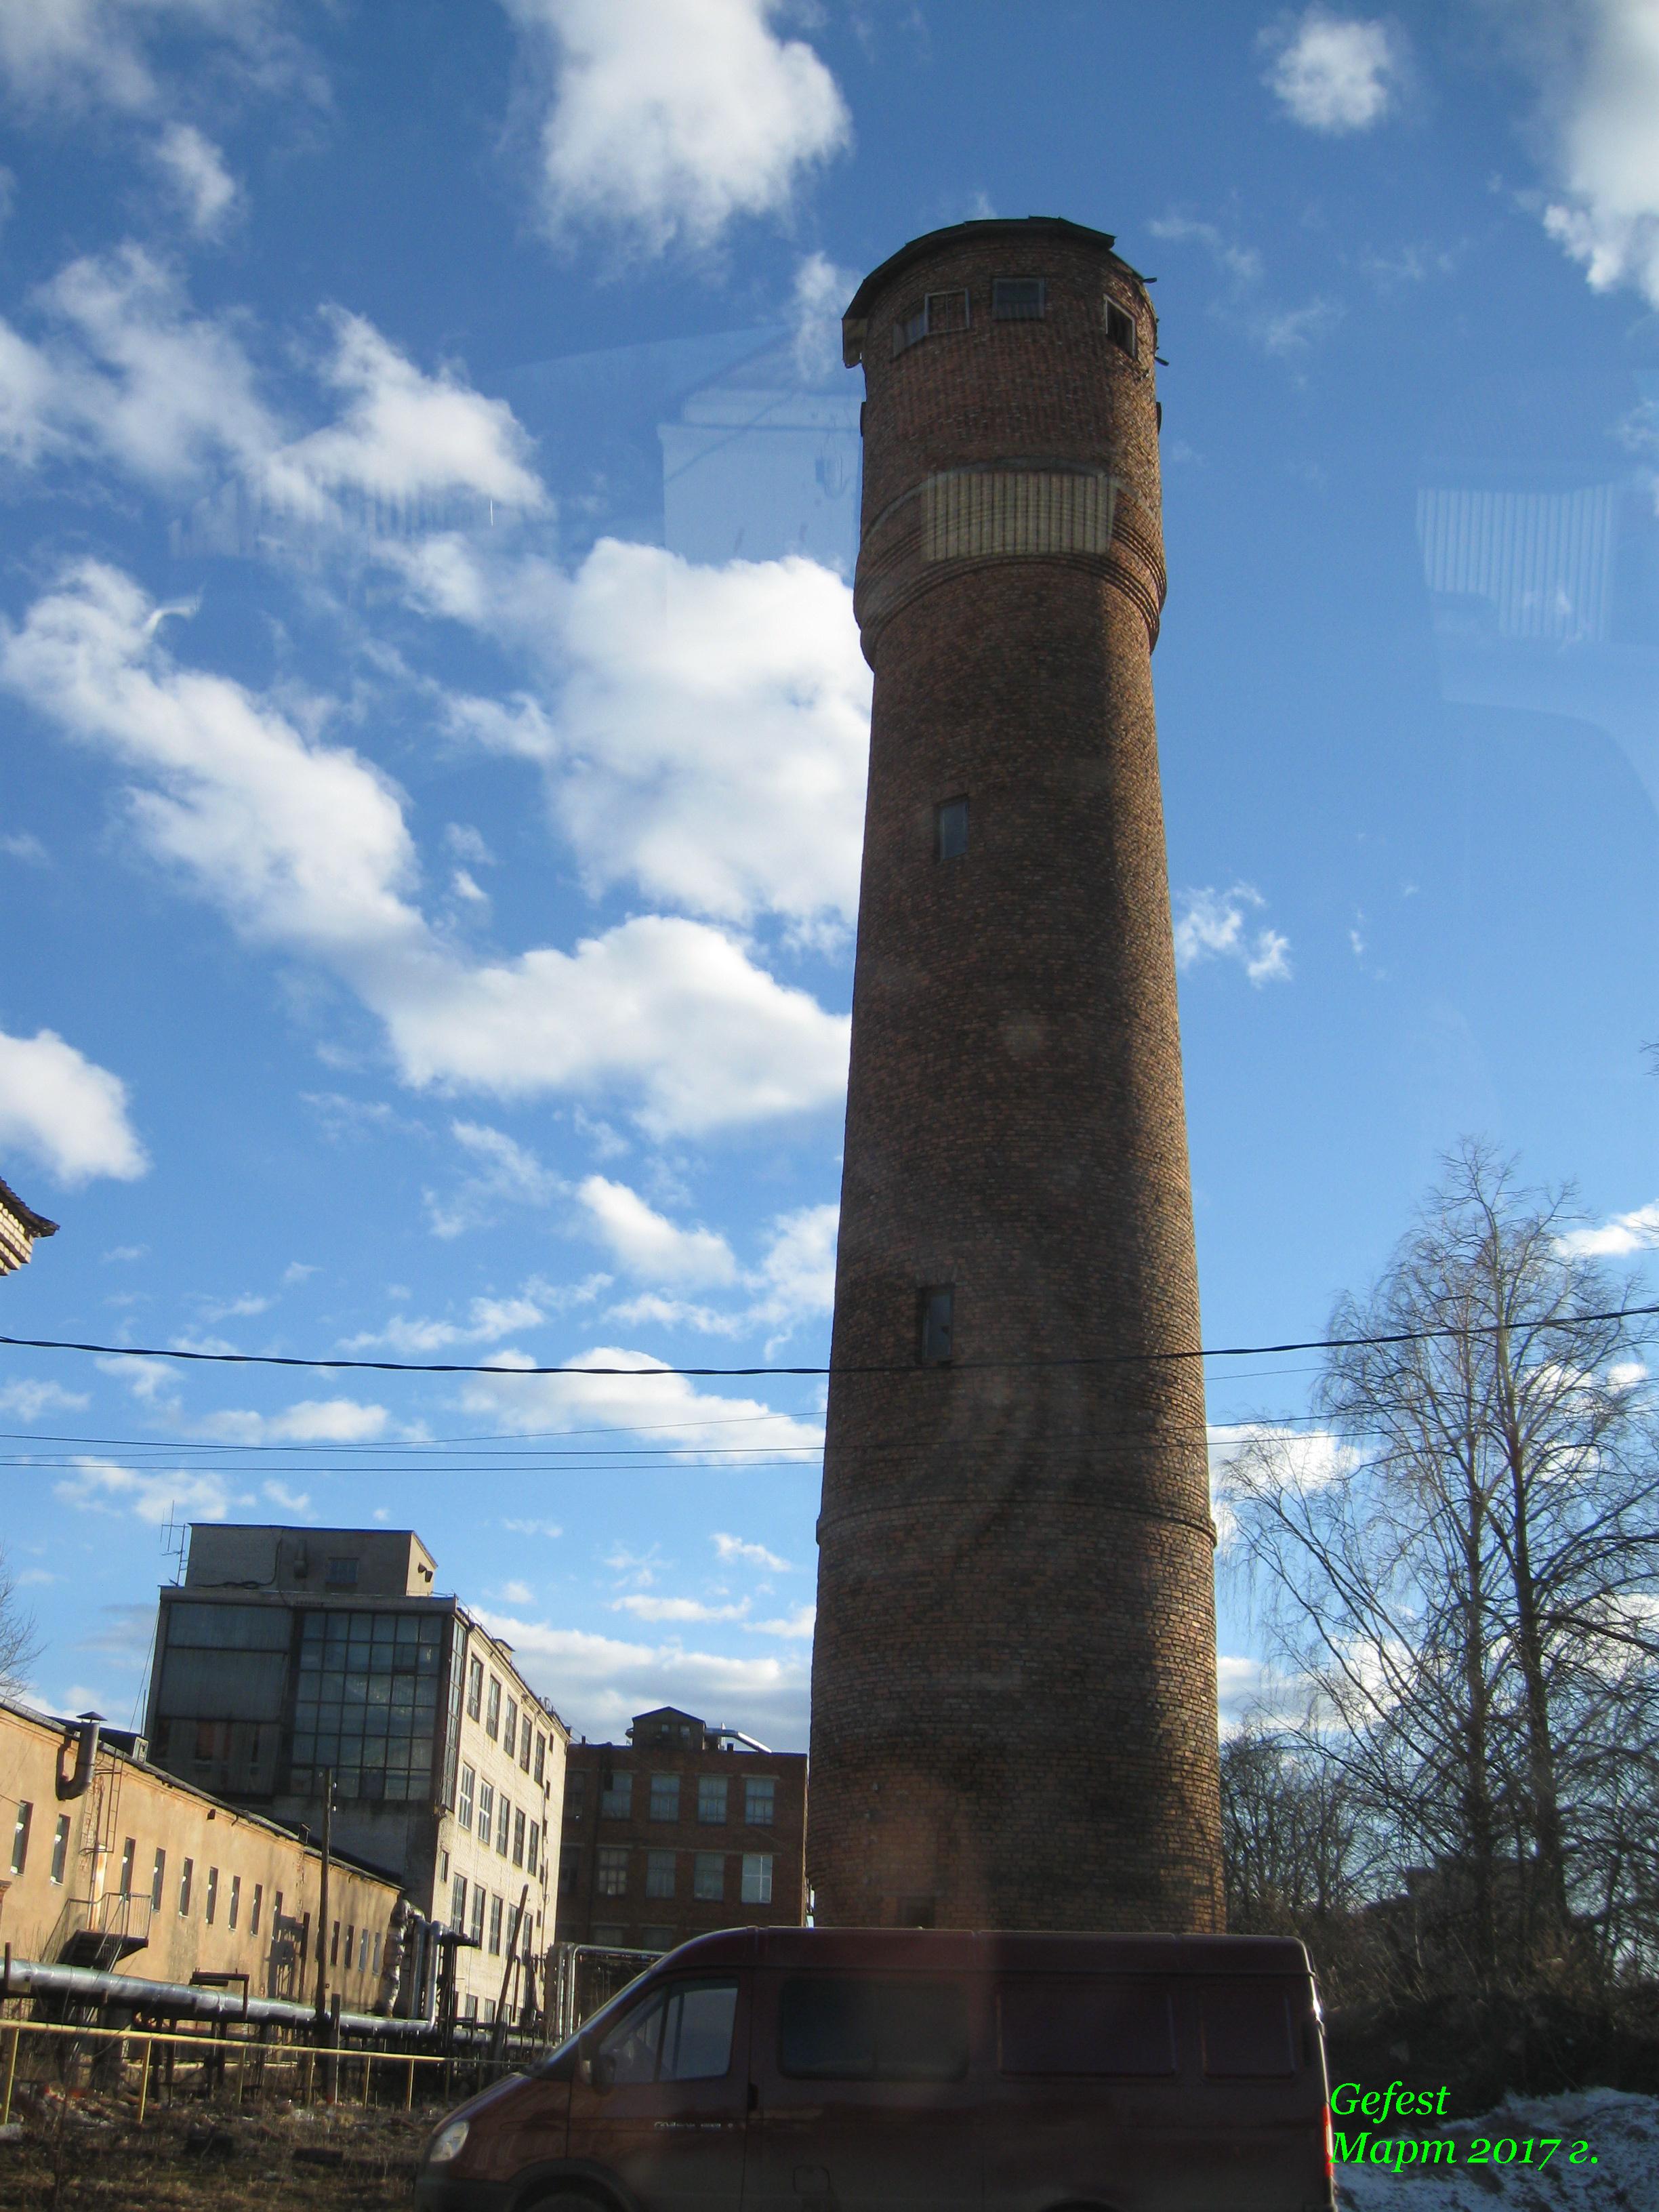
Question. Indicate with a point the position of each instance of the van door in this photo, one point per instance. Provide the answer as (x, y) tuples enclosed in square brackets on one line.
[(666, 2108), (864, 2095)]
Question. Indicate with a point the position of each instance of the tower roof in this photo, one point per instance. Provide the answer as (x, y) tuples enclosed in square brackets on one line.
[(853, 322)]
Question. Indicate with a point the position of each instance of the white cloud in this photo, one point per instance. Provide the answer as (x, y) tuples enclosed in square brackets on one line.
[(290, 1501), (516, 1593), (24, 845), (225, 1309), (797, 1275), (670, 118), (797, 1627), (647, 1243), (644, 1606), (305, 846), (1283, 332), (312, 1421), (709, 739), (597, 1683), (1215, 924), (84, 51), (1636, 1232), (534, 1527), (29, 1400), (195, 169), (754, 1555), (821, 291), (1302, 1459), (152, 1381), (64, 1111), (1605, 102), (507, 1173), (488, 1320), (670, 1407), (1335, 74), (99, 1486)]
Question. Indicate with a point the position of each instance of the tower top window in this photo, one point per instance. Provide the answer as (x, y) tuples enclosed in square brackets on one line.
[(938, 312), (937, 1319), (1018, 299), (1120, 327), (951, 830)]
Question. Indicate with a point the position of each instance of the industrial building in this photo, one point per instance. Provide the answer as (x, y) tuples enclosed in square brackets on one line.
[(108, 1863), (20, 1227), (291, 1660), (681, 1829), (1013, 1678)]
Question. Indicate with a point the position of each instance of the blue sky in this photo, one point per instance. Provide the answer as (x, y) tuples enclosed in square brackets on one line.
[(434, 728)]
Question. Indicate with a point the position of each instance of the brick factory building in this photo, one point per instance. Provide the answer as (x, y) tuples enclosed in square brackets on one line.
[(682, 1829), (1013, 1682)]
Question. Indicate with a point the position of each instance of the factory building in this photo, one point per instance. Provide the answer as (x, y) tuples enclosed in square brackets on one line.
[(290, 1662)]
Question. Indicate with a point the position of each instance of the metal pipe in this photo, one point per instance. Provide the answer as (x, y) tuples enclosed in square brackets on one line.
[(33, 1977), (86, 1753)]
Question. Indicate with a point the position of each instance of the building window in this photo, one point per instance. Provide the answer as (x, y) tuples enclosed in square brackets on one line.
[(477, 1929), (757, 1877), (158, 1882), (341, 1574), (362, 1950), (711, 1799), (377, 1954), (254, 1910), (609, 1938), (235, 1901), (495, 1927), (660, 1873), (532, 1842), (472, 2008), (474, 1688), (567, 1876), (493, 1709), (184, 1880), (664, 1797), (1018, 299), (951, 830), (610, 1875), (212, 1905), (503, 1824), (60, 1847), (20, 1837), (759, 1802), (517, 1837), (936, 1317), (128, 1852), (510, 1733), (575, 1789), (708, 1876), (524, 1744), (940, 311), (616, 1798), (457, 1905), (486, 1810), (334, 1945), (365, 1705), (656, 1939), (464, 1804), (541, 1756), (1120, 327), (443, 1868)]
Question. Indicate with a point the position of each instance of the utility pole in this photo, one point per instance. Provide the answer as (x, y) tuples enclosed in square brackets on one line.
[(323, 2022)]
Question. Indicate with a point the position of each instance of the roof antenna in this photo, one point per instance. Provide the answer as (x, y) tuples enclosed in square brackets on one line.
[(175, 1534)]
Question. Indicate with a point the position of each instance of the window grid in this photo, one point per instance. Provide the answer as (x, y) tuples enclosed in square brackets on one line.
[(709, 1876), (711, 1799), (60, 1847), (20, 1836), (757, 1878), (610, 1874), (366, 1704), (1018, 299), (660, 1873), (759, 1801), (665, 1797)]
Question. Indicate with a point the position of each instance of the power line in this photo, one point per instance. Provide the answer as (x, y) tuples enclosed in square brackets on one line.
[(871, 1367)]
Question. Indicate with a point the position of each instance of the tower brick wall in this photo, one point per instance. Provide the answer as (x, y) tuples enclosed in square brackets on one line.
[(1014, 1700)]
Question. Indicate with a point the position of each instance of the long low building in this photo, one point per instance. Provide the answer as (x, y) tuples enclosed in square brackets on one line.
[(107, 1861)]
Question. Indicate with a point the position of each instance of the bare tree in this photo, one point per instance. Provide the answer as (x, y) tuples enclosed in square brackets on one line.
[(1468, 1590), (19, 1646)]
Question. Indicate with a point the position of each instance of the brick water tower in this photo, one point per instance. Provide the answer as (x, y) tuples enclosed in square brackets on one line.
[(1013, 1681)]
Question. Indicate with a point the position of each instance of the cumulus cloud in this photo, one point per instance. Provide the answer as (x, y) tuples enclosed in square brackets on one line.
[(647, 1243), (1303, 1459), (504, 1173), (83, 53), (1603, 92), (101, 1486), (708, 735), (820, 292), (1210, 925), (597, 1683), (671, 1407), (28, 1399), (305, 846), (795, 1627), (195, 170), (312, 1421), (1286, 332), (1335, 74), (64, 1110), (734, 1548), (671, 117), (644, 1606), (489, 1320), (794, 1280), (1636, 1232)]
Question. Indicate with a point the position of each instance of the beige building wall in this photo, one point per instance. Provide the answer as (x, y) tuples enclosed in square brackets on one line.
[(210, 1889), (499, 1709)]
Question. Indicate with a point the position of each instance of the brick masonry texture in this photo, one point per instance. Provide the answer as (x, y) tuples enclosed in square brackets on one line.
[(1013, 1682)]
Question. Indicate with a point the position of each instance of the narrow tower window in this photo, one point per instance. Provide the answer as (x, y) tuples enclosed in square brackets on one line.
[(951, 830), (1120, 327), (937, 1317), (1018, 299), (938, 312)]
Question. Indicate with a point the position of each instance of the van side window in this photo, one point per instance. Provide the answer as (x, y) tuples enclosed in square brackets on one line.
[(834, 2028), (1065, 2024), (683, 2034), (1246, 2029)]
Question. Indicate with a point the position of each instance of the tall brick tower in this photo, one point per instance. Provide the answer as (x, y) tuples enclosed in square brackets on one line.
[(1013, 1682)]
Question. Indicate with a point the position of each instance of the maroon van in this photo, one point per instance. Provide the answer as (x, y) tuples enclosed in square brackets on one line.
[(846, 2069)]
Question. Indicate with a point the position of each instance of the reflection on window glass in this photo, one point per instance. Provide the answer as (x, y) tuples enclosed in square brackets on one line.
[(683, 2034), (366, 1704), (832, 2028)]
